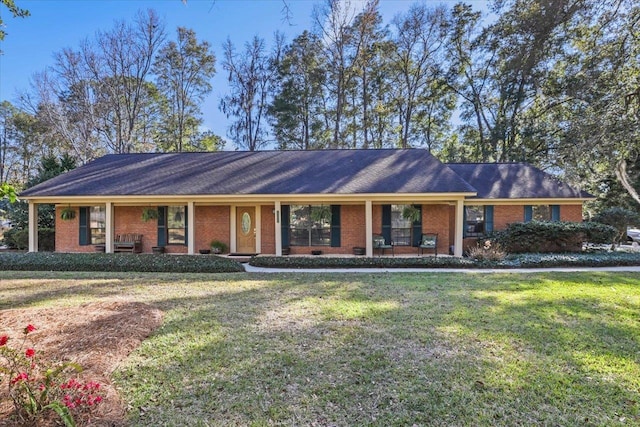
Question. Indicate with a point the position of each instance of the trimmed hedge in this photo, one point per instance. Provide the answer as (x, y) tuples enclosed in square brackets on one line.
[(43, 261), (537, 260), (555, 237), (375, 262)]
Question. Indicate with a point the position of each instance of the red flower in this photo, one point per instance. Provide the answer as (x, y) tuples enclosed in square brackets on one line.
[(29, 328), (30, 352), (3, 340), (22, 376)]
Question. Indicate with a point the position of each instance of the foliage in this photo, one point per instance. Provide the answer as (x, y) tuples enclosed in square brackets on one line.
[(219, 247), (620, 219), (16, 238), (36, 388), (487, 251), (411, 213), (15, 11), (540, 236), (68, 213), (184, 69), (149, 214), (531, 260), (41, 261), (8, 192), (295, 110)]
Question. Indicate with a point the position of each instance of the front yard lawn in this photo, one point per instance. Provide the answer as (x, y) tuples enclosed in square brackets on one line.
[(368, 349)]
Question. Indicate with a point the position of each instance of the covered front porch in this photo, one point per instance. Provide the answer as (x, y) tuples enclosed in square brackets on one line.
[(250, 225)]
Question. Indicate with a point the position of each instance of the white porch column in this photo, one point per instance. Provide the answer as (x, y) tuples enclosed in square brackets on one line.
[(110, 227), (457, 250), (191, 229), (33, 227), (257, 229), (232, 226), (368, 226), (277, 213)]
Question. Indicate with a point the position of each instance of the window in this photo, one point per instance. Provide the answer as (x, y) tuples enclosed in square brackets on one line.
[(474, 221), (97, 225), (541, 213), (176, 225), (310, 225), (400, 226)]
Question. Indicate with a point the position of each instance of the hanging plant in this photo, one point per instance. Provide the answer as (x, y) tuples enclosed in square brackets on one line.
[(149, 214), (68, 213), (411, 213)]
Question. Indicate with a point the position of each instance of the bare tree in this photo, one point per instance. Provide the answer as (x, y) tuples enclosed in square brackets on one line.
[(119, 64), (251, 77), (419, 36)]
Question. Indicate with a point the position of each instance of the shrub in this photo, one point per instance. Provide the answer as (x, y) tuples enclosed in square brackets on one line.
[(618, 218), (535, 260), (19, 239), (48, 261), (557, 236), (487, 251)]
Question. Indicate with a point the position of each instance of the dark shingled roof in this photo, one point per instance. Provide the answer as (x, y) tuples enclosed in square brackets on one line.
[(514, 181), (253, 173)]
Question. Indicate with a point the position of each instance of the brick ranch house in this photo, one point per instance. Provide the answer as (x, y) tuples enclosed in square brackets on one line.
[(262, 202)]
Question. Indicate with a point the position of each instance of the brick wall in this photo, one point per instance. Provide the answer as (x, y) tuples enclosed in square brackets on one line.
[(68, 233), (504, 215), (128, 219), (571, 213), (212, 223)]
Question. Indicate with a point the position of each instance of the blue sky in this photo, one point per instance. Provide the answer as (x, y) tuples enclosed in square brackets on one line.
[(57, 24)]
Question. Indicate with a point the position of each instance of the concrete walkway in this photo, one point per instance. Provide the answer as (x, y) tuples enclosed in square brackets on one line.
[(251, 269)]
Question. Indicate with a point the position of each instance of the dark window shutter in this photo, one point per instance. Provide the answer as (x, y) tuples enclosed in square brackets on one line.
[(162, 225), (335, 226), (386, 223), (84, 226), (555, 212), (464, 221), (528, 213), (488, 219), (284, 223), (186, 225), (417, 228)]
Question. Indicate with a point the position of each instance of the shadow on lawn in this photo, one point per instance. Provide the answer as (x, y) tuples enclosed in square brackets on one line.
[(392, 350), (379, 349)]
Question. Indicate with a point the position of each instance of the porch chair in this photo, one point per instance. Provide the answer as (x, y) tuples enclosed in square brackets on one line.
[(380, 244), (428, 241)]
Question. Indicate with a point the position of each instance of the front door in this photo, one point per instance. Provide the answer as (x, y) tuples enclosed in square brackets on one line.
[(246, 229)]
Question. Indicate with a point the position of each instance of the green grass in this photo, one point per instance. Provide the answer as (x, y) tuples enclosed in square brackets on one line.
[(371, 349)]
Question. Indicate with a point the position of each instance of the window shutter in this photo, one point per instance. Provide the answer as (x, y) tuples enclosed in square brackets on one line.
[(186, 225), (84, 226), (162, 225), (488, 219), (335, 226), (417, 228), (555, 212), (386, 223), (284, 224), (464, 222), (528, 213)]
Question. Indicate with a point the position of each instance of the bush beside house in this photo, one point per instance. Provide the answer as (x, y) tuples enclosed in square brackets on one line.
[(552, 237)]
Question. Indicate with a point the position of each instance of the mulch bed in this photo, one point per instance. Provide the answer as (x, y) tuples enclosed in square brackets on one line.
[(98, 336)]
